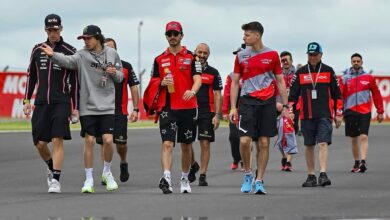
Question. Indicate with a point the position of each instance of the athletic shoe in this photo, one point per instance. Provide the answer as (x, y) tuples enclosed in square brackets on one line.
[(234, 166), (288, 167), (202, 180), (88, 186), (110, 181), (124, 176), (49, 177), (362, 167), (323, 180), (193, 170), (55, 186), (311, 181), (259, 188), (165, 185), (247, 183), (185, 186), (356, 168), (283, 164)]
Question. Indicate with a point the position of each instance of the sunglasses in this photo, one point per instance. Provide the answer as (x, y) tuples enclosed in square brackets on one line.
[(172, 33)]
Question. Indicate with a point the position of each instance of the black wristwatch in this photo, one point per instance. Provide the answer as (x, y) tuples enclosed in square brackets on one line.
[(136, 109), (286, 106)]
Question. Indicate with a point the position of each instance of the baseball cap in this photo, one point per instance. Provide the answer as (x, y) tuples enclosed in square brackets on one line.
[(90, 31), (174, 26), (314, 47), (52, 21)]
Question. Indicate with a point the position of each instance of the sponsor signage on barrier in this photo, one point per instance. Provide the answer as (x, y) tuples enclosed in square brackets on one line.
[(12, 89), (13, 86)]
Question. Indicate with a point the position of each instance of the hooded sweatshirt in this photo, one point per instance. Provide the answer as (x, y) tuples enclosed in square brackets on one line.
[(95, 99)]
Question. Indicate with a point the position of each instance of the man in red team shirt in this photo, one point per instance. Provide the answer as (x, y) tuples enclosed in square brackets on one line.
[(356, 86), (178, 76), (259, 67)]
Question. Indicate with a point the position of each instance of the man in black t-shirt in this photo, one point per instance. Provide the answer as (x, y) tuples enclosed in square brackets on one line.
[(209, 111)]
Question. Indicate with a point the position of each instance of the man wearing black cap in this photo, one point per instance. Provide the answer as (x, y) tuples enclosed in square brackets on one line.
[(55, 101), (177, 75), (317, 86), (98, 68)]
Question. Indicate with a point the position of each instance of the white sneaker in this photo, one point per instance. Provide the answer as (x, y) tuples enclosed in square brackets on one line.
[(55, 186), (110, 181), (49, 177), (185, 186), (88, 186)]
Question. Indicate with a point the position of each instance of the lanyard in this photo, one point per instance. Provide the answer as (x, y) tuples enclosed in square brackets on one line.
[(314, 84)]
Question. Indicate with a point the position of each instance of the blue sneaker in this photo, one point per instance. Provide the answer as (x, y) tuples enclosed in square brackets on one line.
[(247, 184), (259, 188)]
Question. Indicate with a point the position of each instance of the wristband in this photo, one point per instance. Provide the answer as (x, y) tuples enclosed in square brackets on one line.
[(26, 101), (286, 106), (136, 109)]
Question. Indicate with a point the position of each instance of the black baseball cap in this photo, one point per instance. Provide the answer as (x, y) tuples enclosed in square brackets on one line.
[(90, 31), (314, 47), (53, 21)]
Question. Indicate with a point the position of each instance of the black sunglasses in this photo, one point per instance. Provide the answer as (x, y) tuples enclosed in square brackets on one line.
[(172, 33)]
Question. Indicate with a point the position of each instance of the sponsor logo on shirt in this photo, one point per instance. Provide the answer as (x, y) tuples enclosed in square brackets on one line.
[(165, 64), (364, 82)]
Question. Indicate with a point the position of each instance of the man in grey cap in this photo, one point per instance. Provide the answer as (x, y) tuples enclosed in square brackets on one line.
[(98, 68), (55, 101)]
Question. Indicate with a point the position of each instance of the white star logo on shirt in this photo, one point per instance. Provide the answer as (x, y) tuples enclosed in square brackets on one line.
[(173, 126), (164, 114), (188, 134)]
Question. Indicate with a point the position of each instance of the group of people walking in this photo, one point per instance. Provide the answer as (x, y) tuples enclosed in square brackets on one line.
[(184, 95)]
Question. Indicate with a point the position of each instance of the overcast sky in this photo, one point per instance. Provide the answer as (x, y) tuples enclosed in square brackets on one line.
[(342, 27)]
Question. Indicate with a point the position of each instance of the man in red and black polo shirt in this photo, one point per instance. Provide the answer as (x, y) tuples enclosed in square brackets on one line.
[(357, 86), (317, 88), (121, 113), (178, 75), (209, 111), (259, 67)]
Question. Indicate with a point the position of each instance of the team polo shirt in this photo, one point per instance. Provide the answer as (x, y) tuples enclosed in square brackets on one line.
[(121, 94), (182, 67), (258, 70), (211, 81)]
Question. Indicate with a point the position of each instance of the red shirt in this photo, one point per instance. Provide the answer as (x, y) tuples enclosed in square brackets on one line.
[(182, 67), (258, 70)]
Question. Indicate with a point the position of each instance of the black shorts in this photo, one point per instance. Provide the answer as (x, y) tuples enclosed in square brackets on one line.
[(178, 122), (51, 121), (317, 130), (257, 120), (356, 125), (120, 130), (96, 125), (206, 127)]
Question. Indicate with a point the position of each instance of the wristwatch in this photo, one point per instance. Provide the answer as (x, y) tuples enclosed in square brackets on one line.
[(26, 101), (136, 109), (286, 106)]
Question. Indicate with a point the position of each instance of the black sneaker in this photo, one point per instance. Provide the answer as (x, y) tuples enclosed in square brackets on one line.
[(288, 167), (323, 180), (165, 186), (283, 162), (362, 167), (193, 170), (124, 176), (311, 181), (202, 180)]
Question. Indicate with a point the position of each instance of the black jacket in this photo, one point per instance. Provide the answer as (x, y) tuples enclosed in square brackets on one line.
[(54, 83), (328, 101)]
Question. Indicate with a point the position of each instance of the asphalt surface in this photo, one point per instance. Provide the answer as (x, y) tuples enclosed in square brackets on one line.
[(23, 188)]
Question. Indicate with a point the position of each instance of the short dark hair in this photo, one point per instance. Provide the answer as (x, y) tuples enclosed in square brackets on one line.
[(112, 40), (357, 55), (253, 26), (285, 53)]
